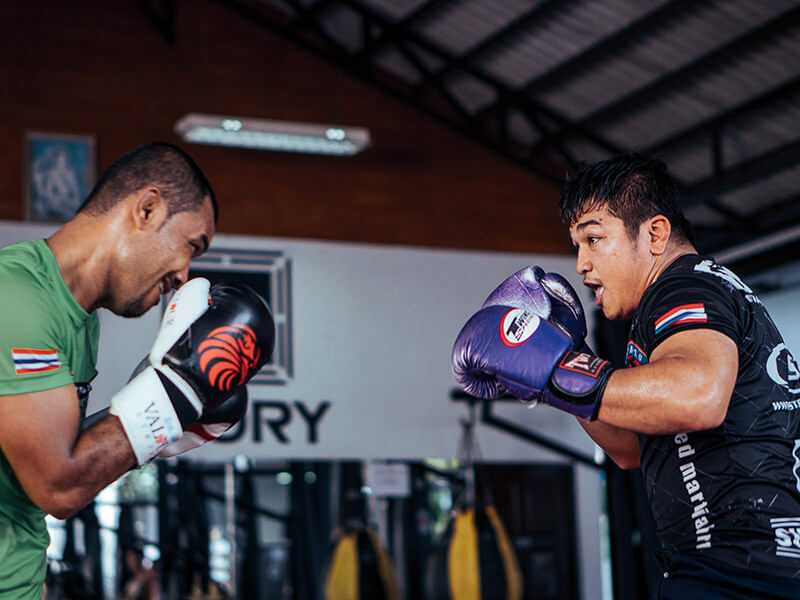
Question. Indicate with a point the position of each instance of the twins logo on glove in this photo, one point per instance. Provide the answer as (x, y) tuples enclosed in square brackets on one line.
[(517, 326), (229, 355)]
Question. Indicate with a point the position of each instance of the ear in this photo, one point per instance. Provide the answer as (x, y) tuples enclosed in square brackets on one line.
[(149, 208), (658, 233)]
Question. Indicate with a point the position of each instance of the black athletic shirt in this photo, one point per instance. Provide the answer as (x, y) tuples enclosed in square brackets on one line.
[(730, 493)]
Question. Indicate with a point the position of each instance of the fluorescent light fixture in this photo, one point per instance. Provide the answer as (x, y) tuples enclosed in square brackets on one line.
[(281, 136)]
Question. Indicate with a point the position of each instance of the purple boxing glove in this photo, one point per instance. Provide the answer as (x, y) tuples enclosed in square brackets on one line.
[(547, 295), (502, 347)]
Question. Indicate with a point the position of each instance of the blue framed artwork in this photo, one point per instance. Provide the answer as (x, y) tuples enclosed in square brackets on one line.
[(60, 172)]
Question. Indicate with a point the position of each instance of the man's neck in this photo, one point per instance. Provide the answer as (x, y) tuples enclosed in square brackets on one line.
[(82, 248), (672, 253)]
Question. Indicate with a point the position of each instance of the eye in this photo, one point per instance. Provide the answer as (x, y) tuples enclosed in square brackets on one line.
[(592, 239)]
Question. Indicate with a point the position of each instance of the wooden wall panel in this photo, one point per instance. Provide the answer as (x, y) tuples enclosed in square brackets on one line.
[(100, 68)]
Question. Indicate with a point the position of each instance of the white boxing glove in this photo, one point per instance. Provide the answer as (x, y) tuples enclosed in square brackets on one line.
[(154, 407)]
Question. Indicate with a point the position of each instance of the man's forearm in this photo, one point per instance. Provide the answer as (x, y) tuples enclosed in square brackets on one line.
[(100, 456), (620, 445)]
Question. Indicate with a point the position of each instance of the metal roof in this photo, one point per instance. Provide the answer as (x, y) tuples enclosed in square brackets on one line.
[(711, 86)]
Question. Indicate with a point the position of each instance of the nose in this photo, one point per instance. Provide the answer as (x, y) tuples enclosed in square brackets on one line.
[(180, 277)]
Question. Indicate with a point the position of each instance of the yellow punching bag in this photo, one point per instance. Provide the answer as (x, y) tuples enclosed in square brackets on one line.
[(360, 568), (475, 560)]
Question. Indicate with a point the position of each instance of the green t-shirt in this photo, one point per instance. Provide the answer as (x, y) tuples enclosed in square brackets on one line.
[(47, 341)]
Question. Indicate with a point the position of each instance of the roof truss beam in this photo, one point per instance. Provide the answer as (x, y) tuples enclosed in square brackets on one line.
[(399, 31), (521, 101), (515, 26), (742, 174), (309, 18), (718, 120)]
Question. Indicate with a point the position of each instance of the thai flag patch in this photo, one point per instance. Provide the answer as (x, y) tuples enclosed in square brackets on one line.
[(31, 360), (686, 313)]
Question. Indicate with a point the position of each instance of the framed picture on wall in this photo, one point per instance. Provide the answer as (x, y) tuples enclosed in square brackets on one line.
[(59, 173)]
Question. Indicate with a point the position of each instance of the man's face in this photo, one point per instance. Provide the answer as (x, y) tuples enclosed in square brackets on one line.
[(160, 261), (615, 266)]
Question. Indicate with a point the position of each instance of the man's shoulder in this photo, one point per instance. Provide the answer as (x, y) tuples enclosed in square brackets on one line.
[(685, 265), (24, 285), (694, 292), (20, 281), (695, 271), (21, 262), (21, 251)]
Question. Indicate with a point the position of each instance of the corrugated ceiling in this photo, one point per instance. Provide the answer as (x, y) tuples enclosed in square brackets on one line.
[(712, 86)]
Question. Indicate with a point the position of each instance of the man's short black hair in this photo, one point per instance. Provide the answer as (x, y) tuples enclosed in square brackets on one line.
[(633, 187), (173, 171)]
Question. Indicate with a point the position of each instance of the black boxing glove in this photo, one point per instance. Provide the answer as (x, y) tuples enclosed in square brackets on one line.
[(212, 340)]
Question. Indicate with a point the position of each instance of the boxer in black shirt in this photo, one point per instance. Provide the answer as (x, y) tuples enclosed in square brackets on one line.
[(730, 492), (709, 407)]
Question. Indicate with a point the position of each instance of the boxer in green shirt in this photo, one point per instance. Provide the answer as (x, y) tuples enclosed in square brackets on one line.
[(149, 214), (55, 345)]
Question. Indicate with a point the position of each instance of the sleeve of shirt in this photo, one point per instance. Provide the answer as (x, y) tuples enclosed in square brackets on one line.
[(684, 303), (31, 356)]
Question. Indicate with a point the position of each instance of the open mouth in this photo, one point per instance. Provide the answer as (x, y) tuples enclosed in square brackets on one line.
[(598, 292)]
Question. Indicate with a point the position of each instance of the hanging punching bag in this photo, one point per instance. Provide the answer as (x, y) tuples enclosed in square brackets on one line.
[(360, 568), (474, 560)]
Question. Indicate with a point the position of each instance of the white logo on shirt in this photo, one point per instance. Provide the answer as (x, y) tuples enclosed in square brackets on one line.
[(782, 369), (787, 536), (796, 468), (731, 278)]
